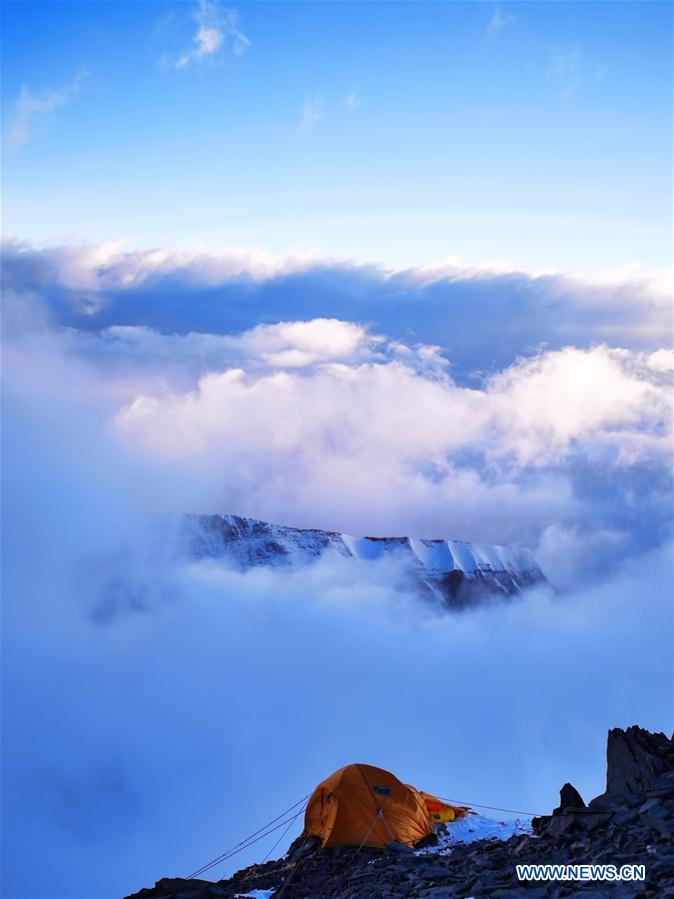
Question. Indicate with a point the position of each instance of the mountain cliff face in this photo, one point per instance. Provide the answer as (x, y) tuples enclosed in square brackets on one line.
[(452, 571)]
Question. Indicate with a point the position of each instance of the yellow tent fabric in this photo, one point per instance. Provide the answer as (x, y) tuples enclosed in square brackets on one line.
[(364, 805), (440, 812)]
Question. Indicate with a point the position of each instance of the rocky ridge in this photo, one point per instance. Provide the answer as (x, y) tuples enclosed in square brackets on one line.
[(453, 572), (631, 823)]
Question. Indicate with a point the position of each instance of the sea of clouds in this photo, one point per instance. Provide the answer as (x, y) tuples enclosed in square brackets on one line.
[(156, 713)]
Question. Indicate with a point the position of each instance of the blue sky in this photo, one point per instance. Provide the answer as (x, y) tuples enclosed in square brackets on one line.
[(535, 133)]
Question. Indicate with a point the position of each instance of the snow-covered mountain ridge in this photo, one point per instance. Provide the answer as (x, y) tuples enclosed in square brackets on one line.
[(451, 570)]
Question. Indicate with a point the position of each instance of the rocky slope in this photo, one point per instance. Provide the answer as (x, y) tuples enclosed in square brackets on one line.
[(632, 822), (452, 571)]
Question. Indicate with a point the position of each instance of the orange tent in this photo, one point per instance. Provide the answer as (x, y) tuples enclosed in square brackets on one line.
[(360, 805)]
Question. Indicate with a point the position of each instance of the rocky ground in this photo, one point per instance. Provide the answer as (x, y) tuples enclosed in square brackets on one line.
[(632, 822)]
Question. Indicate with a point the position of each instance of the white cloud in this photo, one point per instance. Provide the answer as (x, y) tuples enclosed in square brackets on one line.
[(298, 344), (291, 345), (312, 112), (352, 99), (651, 284), (499, 20), (661, 360), (592, 397), (535, 413), (564, 70), (217, 29), (112, 265), (656, 283), (33, 107), (483, 317)]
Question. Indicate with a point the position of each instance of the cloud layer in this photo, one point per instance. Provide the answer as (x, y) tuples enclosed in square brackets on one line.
[(483, 318), (333, 423), (217, 30), (33, 107), (159, 712)]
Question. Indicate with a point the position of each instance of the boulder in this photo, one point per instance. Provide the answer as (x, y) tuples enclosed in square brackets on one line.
[(569, 797)]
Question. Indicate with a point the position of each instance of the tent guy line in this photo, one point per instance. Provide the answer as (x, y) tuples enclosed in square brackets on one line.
[(493, 808), (246, 845), (248, 841), (290, 824), (307, 800)]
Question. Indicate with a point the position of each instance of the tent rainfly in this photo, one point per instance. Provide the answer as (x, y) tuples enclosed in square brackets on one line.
[(360, 805)]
